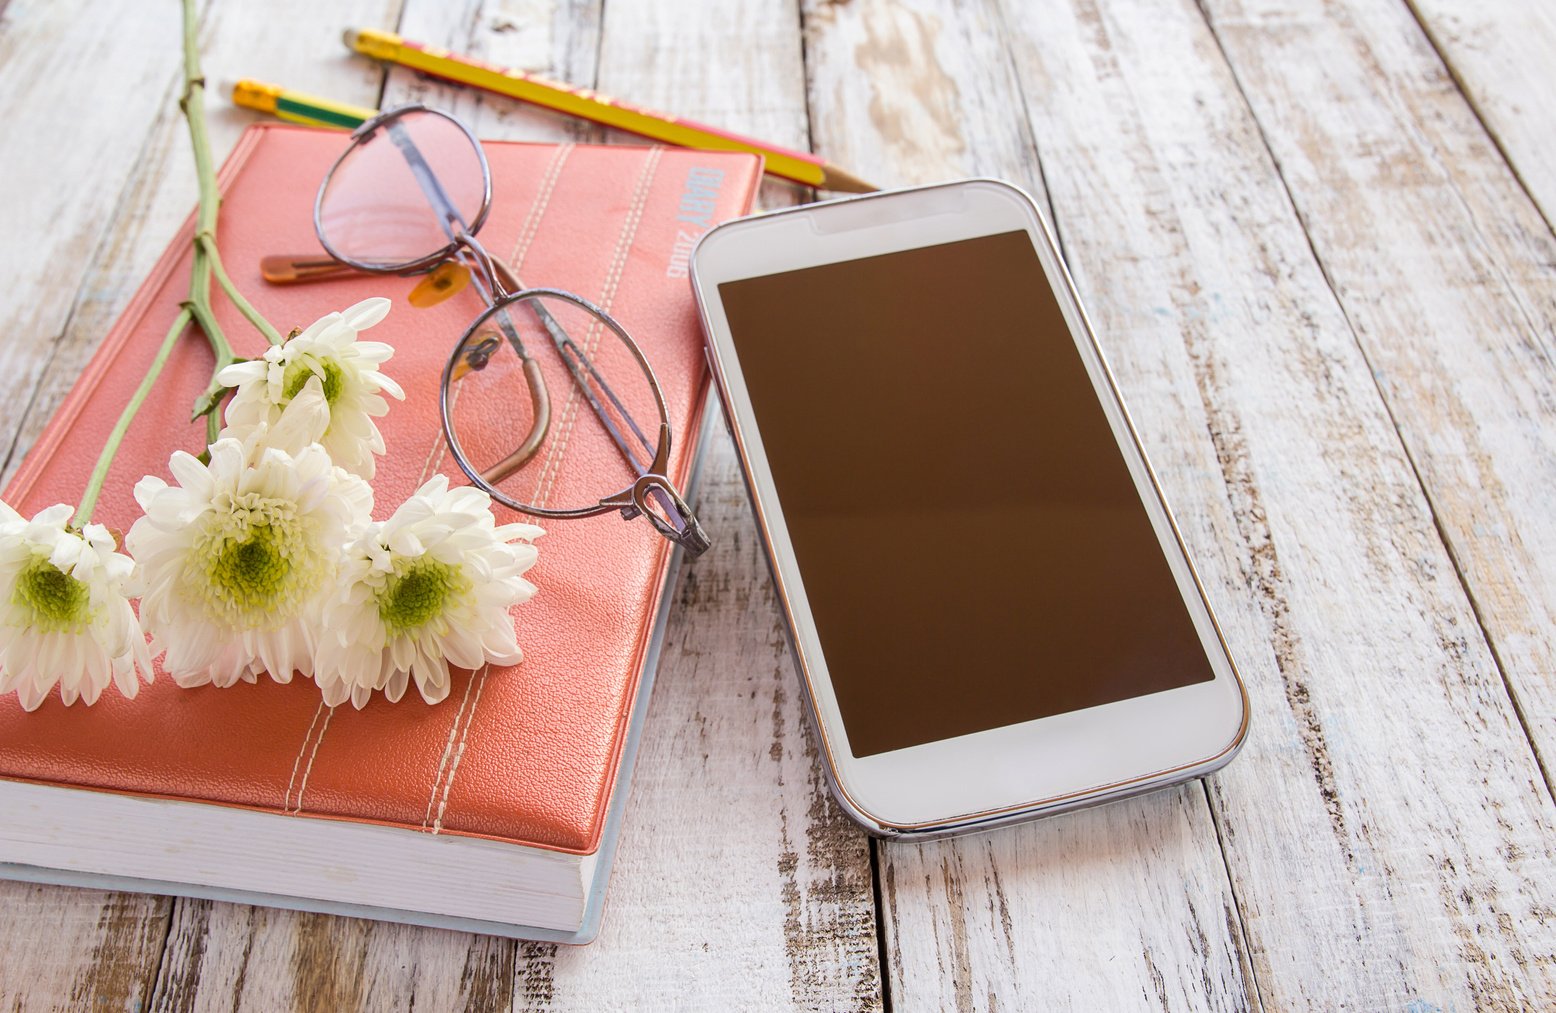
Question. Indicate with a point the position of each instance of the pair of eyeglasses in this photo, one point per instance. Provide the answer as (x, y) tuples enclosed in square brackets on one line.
[(542, 373)]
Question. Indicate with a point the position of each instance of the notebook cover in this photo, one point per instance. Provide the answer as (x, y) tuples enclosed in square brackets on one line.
[(594, 906), (526, 754)]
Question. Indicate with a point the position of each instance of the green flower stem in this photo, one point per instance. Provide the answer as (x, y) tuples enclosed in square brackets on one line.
[(209, 402), (193, 105), (94, 484), (206, 261), (208, 242)]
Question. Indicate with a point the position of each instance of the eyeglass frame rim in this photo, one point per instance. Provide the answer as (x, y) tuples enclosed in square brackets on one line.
[(615, 501), (421, 264), (635, 495)]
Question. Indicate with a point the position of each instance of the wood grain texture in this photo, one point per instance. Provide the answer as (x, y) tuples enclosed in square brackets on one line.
[(231, 956), (1389, 837), (908, 93), (1500, 53), (66, 948), (738, 885), (554, 38), (235, 957), (1123, 907), (53, 58), (1459, 325)]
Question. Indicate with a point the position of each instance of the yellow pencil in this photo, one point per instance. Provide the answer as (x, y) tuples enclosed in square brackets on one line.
[(800, 166)]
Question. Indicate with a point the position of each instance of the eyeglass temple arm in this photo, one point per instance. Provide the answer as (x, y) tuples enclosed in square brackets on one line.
[(582, 369), (679, 523), (294, 269), (540, 412), (449, 217)]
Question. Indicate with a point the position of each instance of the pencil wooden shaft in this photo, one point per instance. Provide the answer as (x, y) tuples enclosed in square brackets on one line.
[(590, 105)]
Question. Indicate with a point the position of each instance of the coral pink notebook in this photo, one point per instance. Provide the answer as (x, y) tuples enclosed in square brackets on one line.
[(492, 811)]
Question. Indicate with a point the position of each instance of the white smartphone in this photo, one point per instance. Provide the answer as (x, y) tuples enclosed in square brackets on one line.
[(991, 607)]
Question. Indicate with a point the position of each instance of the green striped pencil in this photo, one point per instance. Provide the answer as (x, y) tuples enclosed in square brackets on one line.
[(295, 107)]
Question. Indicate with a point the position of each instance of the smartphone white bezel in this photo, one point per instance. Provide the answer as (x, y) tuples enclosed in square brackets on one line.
[(1017, 771)]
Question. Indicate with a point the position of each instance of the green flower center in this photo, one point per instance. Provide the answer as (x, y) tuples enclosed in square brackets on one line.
[(251, 572), (417, 592), (297, 373), (58, 602), (254, 563)]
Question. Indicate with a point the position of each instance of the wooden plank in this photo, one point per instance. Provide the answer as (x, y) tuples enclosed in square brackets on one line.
[(129, 184), (738, 883), (1499, 52), (231, 956), (77, 948), (159, 194), (1115, 908), (1458, 331), (224, 956), (903, 94), (1388, 833), (555, 38), (114, 71)]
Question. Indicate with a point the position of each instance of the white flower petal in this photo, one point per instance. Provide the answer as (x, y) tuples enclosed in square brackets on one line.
[(328, 353), (427, 588), (242, 372), (65, 617), (236, 561), (365, 313)]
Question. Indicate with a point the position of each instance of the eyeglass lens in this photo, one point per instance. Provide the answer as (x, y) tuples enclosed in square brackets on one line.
[(604, 418), (549, 405), (389, 202)]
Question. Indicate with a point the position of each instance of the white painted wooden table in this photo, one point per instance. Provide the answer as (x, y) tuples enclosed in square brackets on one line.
[(1316, 238)]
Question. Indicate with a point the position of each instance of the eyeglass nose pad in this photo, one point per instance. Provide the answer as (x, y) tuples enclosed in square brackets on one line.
[(447, 279), (475, 357)]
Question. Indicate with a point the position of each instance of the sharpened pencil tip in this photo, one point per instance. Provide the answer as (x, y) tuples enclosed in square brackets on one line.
[(845, 182)]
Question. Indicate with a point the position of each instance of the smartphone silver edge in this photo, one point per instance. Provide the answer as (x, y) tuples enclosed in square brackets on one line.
[(989, 819)]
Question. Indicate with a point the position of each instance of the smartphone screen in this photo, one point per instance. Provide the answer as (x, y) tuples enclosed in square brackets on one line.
[(973, 548)]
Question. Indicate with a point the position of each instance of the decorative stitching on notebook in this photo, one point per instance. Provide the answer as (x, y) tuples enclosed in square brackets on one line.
[(313, 756), (521, 247), (553, 465), (448, 752), (613, 279), (537, 210), (434, 459), (286, 800), (437, 827), (430, 466)]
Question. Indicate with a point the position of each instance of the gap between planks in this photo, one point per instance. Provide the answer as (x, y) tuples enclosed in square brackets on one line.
[(1374, 371)]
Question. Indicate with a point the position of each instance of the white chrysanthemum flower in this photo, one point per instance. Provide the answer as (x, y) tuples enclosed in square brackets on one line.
[(429, 587), (65, 617), (348, 370), (238, 557)]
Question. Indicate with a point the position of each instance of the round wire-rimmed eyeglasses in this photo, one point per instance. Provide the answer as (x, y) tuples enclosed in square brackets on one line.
[(407, 197)]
